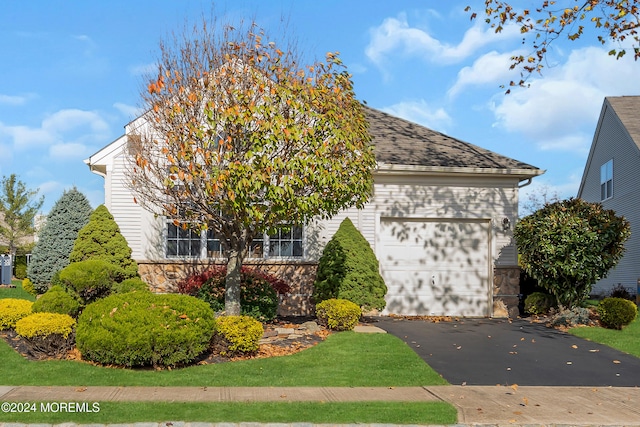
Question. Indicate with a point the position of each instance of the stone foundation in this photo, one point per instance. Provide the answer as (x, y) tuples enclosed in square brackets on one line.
[(163, 277), (506, 288)]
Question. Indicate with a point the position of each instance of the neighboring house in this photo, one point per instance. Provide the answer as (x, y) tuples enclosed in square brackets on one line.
[(611, 176), (440, 222)]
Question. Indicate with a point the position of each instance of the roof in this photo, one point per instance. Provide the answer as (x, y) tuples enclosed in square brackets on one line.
[(401, 142), (627, 108)]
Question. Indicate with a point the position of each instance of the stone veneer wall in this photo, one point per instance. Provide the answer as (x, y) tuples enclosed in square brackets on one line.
[(163, 276), (506, 288)]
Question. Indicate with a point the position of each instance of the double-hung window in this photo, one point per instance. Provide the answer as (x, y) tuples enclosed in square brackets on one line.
[(606, 180), (182, 242)]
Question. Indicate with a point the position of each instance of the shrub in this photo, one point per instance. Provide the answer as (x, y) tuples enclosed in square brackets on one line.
[(57, 300), (570, 317), (134, 284), (258, 291), (338, 314), (569, 245), (50, 334), (615, 313), (348, 269), (145, 329), (12, 310), (538, 303), (238, 333), (27, 285), (20, 271), (620, 291), (101, 239), (55, 241), (91, 279)]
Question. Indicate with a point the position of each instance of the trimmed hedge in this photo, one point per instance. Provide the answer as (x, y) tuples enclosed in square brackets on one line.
[(338, 314), (538, 303), (145, 329), (57, 300), (12, 310), (348, 269), (44, 324), (240, 333), (615, 313), (91, 279)]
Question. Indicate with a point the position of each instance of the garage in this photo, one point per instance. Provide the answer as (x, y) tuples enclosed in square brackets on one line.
[(436, 267)]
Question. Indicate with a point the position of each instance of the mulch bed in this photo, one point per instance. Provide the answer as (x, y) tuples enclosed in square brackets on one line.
[(281, 346)]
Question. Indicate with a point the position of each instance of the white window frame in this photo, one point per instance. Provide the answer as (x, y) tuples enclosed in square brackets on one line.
[(606, 181)]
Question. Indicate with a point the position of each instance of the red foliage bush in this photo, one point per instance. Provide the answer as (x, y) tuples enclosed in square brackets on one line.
[(192, 284)]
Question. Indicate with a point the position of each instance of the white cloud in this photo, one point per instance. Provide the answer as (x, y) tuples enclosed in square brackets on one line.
[(560, 110), (420, 112), (15, 100), (492, 67), (69, 151), (130, 111), (143, 69), (65, 120), (395, 37)]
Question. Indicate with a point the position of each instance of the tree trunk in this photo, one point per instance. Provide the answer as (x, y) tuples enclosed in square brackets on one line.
[(232, 284)]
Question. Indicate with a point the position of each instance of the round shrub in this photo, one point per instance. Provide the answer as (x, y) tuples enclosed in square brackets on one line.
[(27, 285), (258, 291), (57, 300), (12, 310), (49, 334), (134, 284), (239, 333), (538, 303), (145, 329), (91, 279), (615, 313), (338, 314)]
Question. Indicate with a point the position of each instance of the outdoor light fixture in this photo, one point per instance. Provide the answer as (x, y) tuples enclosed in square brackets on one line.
[(506, 224)]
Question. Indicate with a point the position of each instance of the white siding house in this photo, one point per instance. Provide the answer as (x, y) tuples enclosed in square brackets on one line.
[(612, 177), (440, 222)]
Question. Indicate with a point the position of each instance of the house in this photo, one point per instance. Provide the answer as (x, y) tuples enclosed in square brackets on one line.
[(440, 222), (611, 178)]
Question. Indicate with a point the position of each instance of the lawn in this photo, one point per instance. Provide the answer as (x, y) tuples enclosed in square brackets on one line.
[(344, 359), (626, 340)]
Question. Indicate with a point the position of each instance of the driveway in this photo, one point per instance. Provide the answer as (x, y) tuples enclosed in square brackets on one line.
[(499, 351)]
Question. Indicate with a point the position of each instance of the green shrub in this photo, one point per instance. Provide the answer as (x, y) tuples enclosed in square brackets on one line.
[(12, 310), (20, 267), (615, 313), (348, 269), (538, 303), (27, 285), (130, 285), (338, 314), (258, 291), (101, 239), (43, 324), (145, 329), (240, 333), (49, 334), (57, 300), (91, 279)]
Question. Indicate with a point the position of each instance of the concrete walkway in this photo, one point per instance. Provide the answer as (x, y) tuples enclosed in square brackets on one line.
[(477, 405)]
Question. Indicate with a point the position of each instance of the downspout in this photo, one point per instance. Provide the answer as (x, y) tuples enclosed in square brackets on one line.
[(526, 183)]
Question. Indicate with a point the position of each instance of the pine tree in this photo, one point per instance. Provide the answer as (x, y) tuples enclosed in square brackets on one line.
[(101, 239), (348, 269), (55, 241)]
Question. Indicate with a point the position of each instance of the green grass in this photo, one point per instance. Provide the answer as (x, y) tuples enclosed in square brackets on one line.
[(344, 359), (16, 292), (626, 340), (422, 413)]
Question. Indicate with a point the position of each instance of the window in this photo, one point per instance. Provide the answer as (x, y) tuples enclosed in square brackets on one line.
[(606, 180), (187, 243), (182, 242), (286, 243)]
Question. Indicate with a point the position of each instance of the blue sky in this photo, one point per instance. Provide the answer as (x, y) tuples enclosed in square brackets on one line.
[(71, 73)]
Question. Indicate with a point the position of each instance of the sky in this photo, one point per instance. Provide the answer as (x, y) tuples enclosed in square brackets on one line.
[(72, 72)]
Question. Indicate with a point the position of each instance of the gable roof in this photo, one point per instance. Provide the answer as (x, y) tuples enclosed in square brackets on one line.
[(401, 142), (627, 108)]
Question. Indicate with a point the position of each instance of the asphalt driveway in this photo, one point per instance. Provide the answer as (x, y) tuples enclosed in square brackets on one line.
[(499, 351)]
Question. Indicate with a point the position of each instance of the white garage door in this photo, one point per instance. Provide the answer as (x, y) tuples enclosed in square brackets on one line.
[(435, 267)]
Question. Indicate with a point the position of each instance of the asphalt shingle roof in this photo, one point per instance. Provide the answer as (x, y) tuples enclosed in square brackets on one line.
[(401, 142), (627, 108)]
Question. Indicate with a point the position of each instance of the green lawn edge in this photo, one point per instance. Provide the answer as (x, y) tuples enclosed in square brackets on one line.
[(626, 340)]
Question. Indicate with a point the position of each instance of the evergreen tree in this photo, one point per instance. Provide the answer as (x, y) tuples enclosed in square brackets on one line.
[(101, 239), (348, 269), (55, 241)]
